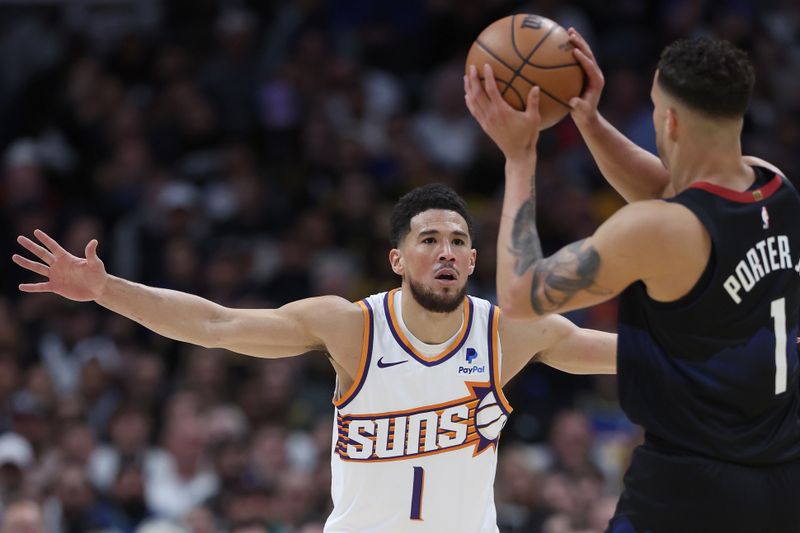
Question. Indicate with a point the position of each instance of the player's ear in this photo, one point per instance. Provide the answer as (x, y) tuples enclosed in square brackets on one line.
[(472, 256), (396, 261), (671, 123)]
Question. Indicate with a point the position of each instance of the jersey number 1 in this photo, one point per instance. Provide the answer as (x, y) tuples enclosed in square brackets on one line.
[(416, 493), (778, 313)]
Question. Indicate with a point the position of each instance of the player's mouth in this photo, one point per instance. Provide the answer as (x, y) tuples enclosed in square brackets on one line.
[(446, 276)]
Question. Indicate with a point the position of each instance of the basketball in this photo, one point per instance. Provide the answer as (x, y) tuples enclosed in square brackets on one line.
[(528, 50)]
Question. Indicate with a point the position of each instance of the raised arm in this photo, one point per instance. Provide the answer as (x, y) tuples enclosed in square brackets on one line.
[(581, 274), (642, 241), (635, 173), (293, 329)]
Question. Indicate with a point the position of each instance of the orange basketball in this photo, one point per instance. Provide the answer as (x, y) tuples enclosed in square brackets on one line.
[(528, 50)]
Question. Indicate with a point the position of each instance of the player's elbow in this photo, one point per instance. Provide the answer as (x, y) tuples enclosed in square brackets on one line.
[(208, 337), (215, 331)]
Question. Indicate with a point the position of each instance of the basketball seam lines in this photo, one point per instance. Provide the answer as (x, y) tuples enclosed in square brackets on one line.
[(551, 67), (527, 63), (518, 71), (508, 83), (514, 39)]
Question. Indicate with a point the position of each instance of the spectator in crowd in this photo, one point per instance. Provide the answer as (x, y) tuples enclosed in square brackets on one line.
[(16, 462), (22, 516)]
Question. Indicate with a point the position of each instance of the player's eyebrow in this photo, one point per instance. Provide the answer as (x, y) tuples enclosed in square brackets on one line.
[(457, 233)]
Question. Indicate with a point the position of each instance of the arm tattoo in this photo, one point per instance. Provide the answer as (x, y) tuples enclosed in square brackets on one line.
[(525, 238), (564, 274), (559, 277)]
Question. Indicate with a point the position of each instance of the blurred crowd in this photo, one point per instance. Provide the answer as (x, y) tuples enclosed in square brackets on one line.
[(250, 152)]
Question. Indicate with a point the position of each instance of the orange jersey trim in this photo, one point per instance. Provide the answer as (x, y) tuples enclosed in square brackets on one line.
[(494, 345), (366, 347), (408, 347)]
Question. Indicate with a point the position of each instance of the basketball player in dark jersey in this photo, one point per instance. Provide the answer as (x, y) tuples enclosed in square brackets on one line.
[(709, 281)]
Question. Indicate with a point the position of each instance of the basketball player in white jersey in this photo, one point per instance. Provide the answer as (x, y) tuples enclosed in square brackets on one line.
[(420, 369)]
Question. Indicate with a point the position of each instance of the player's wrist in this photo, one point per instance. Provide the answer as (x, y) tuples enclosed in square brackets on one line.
[(587, 122), (520, 166), (102, 290)]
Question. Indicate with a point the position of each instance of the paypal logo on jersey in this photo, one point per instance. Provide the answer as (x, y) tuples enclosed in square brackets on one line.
[(472, 354)]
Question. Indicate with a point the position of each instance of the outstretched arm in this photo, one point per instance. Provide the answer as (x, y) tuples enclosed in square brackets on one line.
[(556, 342), (635, 173), (293, 329)]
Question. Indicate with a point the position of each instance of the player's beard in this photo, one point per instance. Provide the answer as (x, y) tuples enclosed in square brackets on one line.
[(436, 303)]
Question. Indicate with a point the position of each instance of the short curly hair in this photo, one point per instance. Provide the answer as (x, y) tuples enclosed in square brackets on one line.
[(433, 196), (710, 76)]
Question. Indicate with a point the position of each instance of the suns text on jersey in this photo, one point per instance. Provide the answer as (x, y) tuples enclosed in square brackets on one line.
[(767, 255), (400, 435)]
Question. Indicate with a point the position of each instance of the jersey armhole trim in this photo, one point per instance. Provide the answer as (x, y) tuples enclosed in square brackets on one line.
[(366, 354), (494, 354)]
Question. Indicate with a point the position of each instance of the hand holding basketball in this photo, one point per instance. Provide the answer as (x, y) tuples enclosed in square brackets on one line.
[(514, 132), (584, 107)]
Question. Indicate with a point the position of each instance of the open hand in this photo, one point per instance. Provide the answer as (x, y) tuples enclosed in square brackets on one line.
[(584, 107), (514, 132), (67, 275)]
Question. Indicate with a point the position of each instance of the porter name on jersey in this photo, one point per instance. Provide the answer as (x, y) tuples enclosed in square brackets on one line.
[(768, 255)]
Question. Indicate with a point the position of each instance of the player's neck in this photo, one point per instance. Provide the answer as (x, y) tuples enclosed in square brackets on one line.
[(427, 326), (719, 163)]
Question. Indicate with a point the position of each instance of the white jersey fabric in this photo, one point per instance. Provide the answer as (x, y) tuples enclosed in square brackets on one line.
[(415, 439)]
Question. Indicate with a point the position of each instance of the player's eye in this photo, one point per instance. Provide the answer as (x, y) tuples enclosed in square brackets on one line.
[(459, 242), (429, 240)]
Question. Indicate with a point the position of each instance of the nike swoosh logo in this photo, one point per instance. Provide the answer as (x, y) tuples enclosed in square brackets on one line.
[(381, 364)]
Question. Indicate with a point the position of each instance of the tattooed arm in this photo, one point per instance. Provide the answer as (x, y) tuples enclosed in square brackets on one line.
[(528, 282), (644, 241), (660, 243)]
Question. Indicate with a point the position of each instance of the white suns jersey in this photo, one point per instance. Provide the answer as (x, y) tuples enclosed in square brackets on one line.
[(415, 439)]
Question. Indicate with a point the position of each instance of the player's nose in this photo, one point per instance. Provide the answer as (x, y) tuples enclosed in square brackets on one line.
[(446, 253)]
